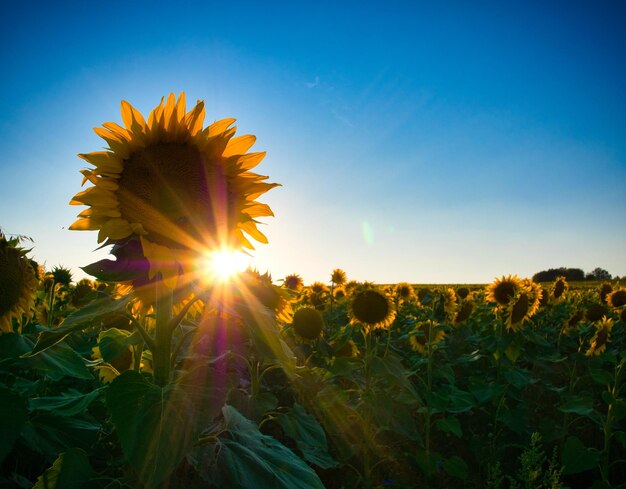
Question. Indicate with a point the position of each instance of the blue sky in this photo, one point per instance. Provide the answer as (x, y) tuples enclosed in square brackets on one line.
[(420, 141)]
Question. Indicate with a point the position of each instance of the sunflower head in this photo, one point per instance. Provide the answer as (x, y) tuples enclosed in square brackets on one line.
[(616, 298), (572, 321), (339, 293), (595, 312), (347, 349), (62, 275), (318, 288), (425, 336), (293, 282), (338, 277), (79, 296), (604, 290), (622, 315), (462, 292), (18, 284), (502, 290), (308, 323), (520, 308), (559, 287), (465, 311), (404, 291), (450, 304), (179, 188), (372, 308), (601, 337), (424, 295)]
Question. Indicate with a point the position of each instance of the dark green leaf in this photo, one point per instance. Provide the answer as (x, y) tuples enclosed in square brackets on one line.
[(90, 315), (518, 377), (450, 424), (460, 401), (308, 435), (485, 392), (391, 369), (249, 460), (71, 470), (155, 425), (68, 404), (13, 416), (577, 457), (577, 404), (456, 467), (113, 342), (601, 377), (59, 361)]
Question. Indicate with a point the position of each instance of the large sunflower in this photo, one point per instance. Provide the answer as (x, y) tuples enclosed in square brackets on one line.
[(502, 290), (180, 188), (601, 337), (18, 284), (373, 308)]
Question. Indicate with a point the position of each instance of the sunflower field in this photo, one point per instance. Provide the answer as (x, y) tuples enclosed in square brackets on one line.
[(153, 375)]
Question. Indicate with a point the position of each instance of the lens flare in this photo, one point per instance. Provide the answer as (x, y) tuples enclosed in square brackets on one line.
[(223, 264)]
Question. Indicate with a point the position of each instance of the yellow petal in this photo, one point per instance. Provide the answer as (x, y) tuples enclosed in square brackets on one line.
[(104, 160), (133, 120), (258, 210), (250, 160), (219, 126), (250, 228), (115, 229), (239, 145)]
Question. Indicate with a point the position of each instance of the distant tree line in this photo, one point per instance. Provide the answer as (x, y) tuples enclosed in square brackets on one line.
[(571, 274)]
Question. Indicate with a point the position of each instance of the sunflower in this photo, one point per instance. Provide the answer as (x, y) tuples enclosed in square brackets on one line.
[(424, 295), (572, 321), (345, 349), (462, 292), (80, 294), (617, 298), (18, 284), (520, 308), (622, 316), (601, 337), (465, 311), (503, 289), (373, 308), (180, 189), (426, 334), (559, 288), (595, 312), (318, 288), (268, 294), (293, 282), (404, 291), (450, 304), (308, 323), (605, 289), (338, 277), (62, 276)]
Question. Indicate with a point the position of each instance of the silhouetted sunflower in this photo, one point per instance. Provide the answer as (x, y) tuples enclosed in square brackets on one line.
[(181, 189), (464, 312), (605, 289), (308, 323), (426, 334), (18, 284), (462, 292), (601, 337), (520, 308), (338, 277), (617, 298), (572, 321), (595, 312), (372, 308), (293, 282), (559, 288), (503, 289)]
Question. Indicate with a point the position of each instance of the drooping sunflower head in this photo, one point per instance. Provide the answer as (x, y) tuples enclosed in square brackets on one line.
[(347, 349), (617, 298), (339, 293), (180, 188), (80, 294), (604, 290), (318, 288), (308, 323), (425, 336), (373, 308), (465, 311), (18, 284), (450, 303), (252, 283), (559, 287), (503, 289), (405, 291), (424, 295), (338, 277), (462, 292), (601, 337), (293, 282), (572, 321)]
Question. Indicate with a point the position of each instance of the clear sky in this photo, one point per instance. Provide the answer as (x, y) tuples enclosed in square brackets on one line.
[(428, 142)]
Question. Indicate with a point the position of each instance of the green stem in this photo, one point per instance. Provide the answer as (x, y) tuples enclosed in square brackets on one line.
[(163, 335), (430, 389), (51, 305)]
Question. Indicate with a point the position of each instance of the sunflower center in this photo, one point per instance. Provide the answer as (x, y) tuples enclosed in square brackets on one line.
[(370, 307), (170, 187), (504, 292), (520, 308), (11, 279), (559, 288)]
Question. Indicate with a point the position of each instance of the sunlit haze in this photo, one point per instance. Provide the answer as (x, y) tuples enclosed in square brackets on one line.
[(223, 264), (414, 141)]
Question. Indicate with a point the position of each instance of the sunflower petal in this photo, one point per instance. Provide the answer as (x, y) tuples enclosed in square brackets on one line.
[(239, 145)]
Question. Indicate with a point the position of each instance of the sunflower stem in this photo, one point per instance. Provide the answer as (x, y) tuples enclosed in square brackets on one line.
[(163, 334)]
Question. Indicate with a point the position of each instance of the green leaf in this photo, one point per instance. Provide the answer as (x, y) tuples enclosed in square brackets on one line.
[(577, 404), (456, 467), (391, 369), (485, 392), (90, 315), (577, 457), (601, 377), (518, 377), (114, 342), (450, 424), (71, 470), (60, 361), (309, 436), (68, 404), (13, 345), (248, 459), (155, 425), (51, 435), (460, 401), (13, 416)]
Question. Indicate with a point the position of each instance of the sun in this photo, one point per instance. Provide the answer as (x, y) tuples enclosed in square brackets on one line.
[(223, 264)]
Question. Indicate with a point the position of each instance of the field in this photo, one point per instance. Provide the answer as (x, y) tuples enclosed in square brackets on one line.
[(337, 385)]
